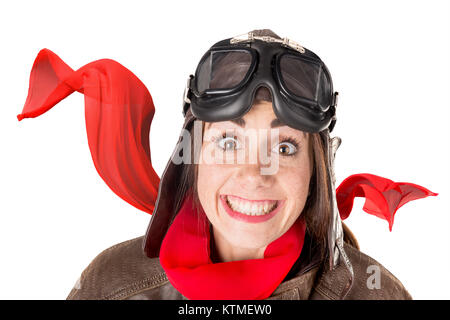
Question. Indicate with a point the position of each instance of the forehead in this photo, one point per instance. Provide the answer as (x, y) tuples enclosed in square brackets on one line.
[(261, 115)]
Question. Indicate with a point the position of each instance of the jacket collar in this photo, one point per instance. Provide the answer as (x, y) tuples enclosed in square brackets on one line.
[(297, 288)]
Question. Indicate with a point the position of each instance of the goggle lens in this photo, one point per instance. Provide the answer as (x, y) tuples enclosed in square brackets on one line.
[(223, 70), (305, 79)]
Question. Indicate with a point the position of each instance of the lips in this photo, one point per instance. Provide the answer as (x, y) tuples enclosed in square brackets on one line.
[(250, 210), (250, 207)]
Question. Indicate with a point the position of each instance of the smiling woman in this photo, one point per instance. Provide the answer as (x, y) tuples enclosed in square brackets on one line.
[(249, 210), (232, 194), (256, 215), (241, 220)]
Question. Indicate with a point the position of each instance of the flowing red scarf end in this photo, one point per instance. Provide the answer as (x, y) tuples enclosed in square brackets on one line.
[(383, 196), (118, 111)]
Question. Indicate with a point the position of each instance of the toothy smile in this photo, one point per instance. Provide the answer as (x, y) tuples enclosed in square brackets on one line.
[(251, 207)]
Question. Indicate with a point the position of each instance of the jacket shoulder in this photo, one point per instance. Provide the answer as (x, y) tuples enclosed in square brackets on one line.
[(119, 272), (372, 281)]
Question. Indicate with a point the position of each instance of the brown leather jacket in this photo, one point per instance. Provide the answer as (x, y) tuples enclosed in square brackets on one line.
[(124, 272)]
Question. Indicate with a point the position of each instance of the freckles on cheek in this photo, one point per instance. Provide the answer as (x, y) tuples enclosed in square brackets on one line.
[(295, 181), (296, 176)]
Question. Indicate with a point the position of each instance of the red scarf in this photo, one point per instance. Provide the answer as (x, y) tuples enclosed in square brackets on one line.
[(185, 256), (119, 111)]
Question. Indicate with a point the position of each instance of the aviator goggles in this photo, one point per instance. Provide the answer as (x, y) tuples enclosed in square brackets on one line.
[(231, 71)]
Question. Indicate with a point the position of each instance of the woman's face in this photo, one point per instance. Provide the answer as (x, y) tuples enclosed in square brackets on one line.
[(246, 205)]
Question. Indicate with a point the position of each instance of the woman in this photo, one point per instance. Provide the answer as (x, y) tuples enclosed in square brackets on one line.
[(246, 207)]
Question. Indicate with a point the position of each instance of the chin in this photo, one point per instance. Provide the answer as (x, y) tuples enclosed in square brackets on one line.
[(254, 240)]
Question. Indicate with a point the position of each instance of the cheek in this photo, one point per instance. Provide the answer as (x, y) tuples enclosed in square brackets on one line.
[(295, 183), (202, 189), (209, 181)]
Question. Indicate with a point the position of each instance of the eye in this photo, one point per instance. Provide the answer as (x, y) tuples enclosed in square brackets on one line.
[(228, 143), (286, 148)]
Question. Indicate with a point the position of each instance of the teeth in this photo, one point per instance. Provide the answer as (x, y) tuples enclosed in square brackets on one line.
[(251, 208)]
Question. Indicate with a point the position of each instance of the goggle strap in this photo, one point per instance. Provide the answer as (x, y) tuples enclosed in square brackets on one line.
[(187, 94)]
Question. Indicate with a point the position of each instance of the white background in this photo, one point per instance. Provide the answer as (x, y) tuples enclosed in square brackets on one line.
[(389, 61)]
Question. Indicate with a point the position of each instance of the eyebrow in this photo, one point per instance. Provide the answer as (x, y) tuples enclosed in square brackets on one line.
[(239, 121), (274, 124)]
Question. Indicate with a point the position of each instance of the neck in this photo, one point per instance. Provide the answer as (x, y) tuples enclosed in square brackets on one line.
[(223, 251)]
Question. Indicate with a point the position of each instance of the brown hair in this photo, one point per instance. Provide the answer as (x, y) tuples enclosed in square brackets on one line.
[(317, 211)]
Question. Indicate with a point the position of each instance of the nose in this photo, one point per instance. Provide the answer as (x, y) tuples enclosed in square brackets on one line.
[(250, 177), (255, 164)]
